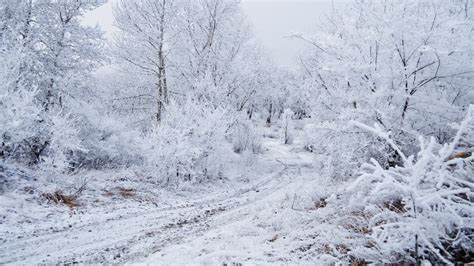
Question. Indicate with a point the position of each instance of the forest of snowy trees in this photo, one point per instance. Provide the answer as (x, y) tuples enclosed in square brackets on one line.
[(381, 103)]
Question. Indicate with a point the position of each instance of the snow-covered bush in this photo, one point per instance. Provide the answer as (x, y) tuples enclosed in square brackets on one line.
[(19, 116), (20, 122), (108, 143), (340, 148), (189, 144), (244, 136), (63, 141), (29, 134), (30, 138), (288, 126), (423, 209)]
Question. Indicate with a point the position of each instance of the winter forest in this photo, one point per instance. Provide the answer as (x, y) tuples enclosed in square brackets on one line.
[(180, 141)]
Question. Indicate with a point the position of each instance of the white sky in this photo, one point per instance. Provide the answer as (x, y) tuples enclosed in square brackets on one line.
[(272, 20)]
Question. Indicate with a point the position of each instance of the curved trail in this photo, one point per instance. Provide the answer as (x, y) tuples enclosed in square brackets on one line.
[(149, 234)]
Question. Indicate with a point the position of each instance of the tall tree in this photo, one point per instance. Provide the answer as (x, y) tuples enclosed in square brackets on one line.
[(147, 28), (58, 52), (411, 70), (54, 58)]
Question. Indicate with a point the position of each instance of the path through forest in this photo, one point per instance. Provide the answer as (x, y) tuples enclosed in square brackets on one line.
[(223, 226)]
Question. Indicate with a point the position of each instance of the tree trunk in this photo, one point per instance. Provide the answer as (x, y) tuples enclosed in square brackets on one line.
[(162, 83), (270, 112), (405, 108)]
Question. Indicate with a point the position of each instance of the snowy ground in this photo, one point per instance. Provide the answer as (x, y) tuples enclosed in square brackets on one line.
[(258, 219)]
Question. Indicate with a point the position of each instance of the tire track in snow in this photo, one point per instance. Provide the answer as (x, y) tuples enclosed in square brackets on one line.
[(138, 234)]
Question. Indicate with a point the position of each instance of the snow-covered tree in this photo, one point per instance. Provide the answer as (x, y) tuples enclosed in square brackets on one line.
[(404, 65), (146, 39), (202, 49), (58, 52), (48, 59), (215, 34), (394, 63)]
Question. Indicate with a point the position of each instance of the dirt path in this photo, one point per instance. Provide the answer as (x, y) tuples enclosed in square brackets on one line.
[(148, 234)]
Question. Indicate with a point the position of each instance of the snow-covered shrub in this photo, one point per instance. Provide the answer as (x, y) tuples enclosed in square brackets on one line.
[(20, 122), (23, 129), (30, 138), (17, 111), (29, 135), (189, 143), (63, 141), (340, 148), (423, 209), (244, 136), (288, 127), (108, 143)]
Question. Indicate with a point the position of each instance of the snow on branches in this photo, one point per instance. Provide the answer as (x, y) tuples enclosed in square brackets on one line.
[(422, 209)]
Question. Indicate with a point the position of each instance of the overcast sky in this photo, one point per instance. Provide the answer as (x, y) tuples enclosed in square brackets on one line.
[(272, 20)]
